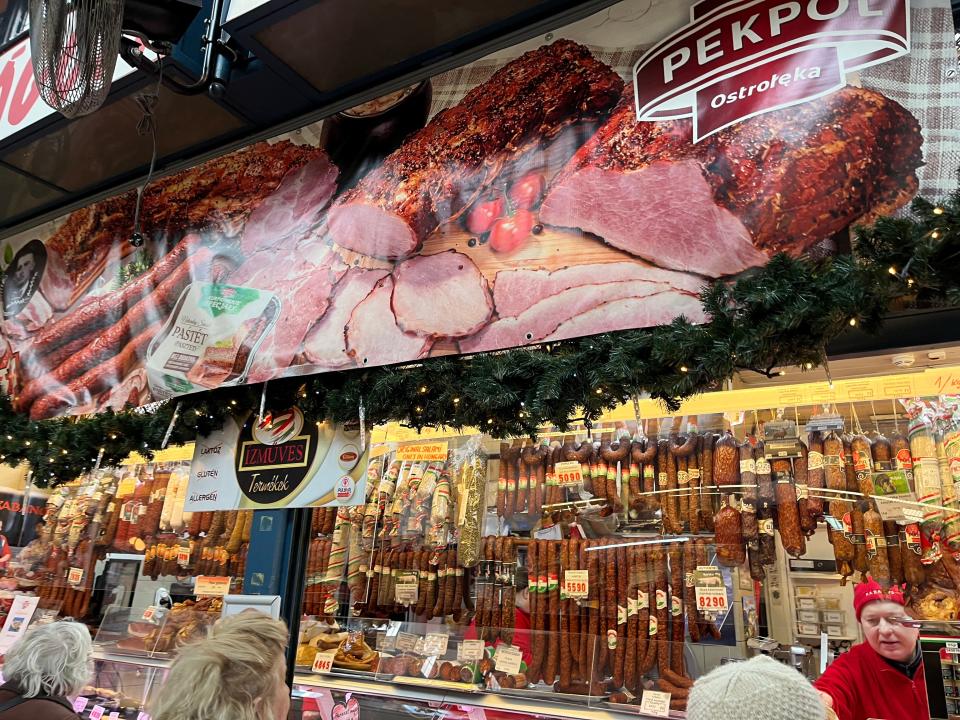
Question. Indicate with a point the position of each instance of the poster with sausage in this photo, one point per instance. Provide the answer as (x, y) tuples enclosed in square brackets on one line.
[(591, 179)]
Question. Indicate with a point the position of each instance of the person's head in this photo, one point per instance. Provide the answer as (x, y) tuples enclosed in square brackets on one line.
[(879, 614), (758, 689), (522, 593), (237, 671), (52, 659), (26, 265)]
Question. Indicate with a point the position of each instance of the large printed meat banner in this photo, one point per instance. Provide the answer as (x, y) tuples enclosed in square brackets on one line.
[(589, 180)]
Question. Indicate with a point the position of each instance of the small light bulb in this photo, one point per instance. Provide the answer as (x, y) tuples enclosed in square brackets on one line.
[(233, 402), (938, 211), (419, 409), (9, 437), (935, 234), (808, 366), (63, 452), (27, 443), (113, 436), (853, 322), (456, 401), (909, 282), (599, 391), (423, 389), (683, 368), (520, 414), (782, 373), (490, 421), (892, 270)]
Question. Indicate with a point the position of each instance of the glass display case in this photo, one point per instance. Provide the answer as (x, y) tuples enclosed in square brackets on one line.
[(156, 632)]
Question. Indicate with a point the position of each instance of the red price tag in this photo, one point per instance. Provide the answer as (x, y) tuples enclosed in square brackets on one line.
[(323, 662)]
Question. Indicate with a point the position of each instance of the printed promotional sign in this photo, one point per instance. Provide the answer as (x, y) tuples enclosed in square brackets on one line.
[(286, 461), (735, 60), (684, 142), (18, 619)]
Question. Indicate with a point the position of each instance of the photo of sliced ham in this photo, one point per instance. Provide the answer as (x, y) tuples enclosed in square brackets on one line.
[(441, 296), (293, 210), (542, 318), (373, 336), (325, 346), (516, 290), (303, 298), (780, 181), (656, 309)]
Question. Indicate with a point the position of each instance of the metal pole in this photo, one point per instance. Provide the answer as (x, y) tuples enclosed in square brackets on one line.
[(296, 579)]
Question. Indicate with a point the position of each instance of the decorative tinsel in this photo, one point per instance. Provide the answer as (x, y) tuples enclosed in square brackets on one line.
[(780, 315)]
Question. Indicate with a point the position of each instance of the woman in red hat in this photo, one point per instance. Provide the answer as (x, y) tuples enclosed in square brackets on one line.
[(881, 678)]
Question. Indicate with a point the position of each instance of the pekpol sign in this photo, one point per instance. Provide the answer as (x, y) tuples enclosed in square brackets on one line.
[(735, 60)]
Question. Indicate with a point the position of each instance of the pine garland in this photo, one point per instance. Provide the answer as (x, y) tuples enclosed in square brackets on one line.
[(780, 315)]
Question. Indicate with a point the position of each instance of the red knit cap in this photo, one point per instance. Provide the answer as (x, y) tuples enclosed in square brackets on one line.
[(870, 591)]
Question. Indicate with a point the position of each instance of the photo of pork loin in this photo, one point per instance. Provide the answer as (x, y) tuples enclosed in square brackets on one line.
[(780, 181), (463, 149)]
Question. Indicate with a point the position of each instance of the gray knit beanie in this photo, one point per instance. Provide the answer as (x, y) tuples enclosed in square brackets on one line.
[(759, 689)]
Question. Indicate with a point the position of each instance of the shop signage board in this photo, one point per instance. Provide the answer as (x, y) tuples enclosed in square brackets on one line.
[(18, 619), (285, 461), (316, 262)]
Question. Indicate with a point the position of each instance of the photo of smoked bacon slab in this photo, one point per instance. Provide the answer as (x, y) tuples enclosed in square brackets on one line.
[(449, 280), (780, 181), (463, 149), (219, 194)]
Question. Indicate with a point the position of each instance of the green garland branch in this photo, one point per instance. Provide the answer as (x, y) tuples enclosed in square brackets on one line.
[(780, 315)]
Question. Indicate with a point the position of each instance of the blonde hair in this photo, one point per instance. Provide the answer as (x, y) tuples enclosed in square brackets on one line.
[(50, 660), (231, 674)]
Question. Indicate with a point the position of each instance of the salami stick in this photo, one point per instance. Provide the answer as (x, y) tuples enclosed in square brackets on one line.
[(586, 651), (731, 550), (689, 600), (573, 610), (623, 575), (630, 652), (813, 504), (536, 611), (598, 649), (502, 480), (508, 618), (748, 505), (894, 560), (663, 609), (614, 454), (610, 605), (676, 608), (643, 614), (788, 516), (709, 499), (553, 648), (693, 470), (876, 547), (449, 604), (566, 658)]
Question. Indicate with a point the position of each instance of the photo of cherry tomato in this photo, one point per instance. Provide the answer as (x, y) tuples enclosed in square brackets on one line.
[(483, 215), (508, 233), (526, 192)]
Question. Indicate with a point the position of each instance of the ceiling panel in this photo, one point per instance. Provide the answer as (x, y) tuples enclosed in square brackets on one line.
[(88, 152)]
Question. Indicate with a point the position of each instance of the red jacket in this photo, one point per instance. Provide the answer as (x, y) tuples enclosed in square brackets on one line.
[(863, 686), (521, 634)]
